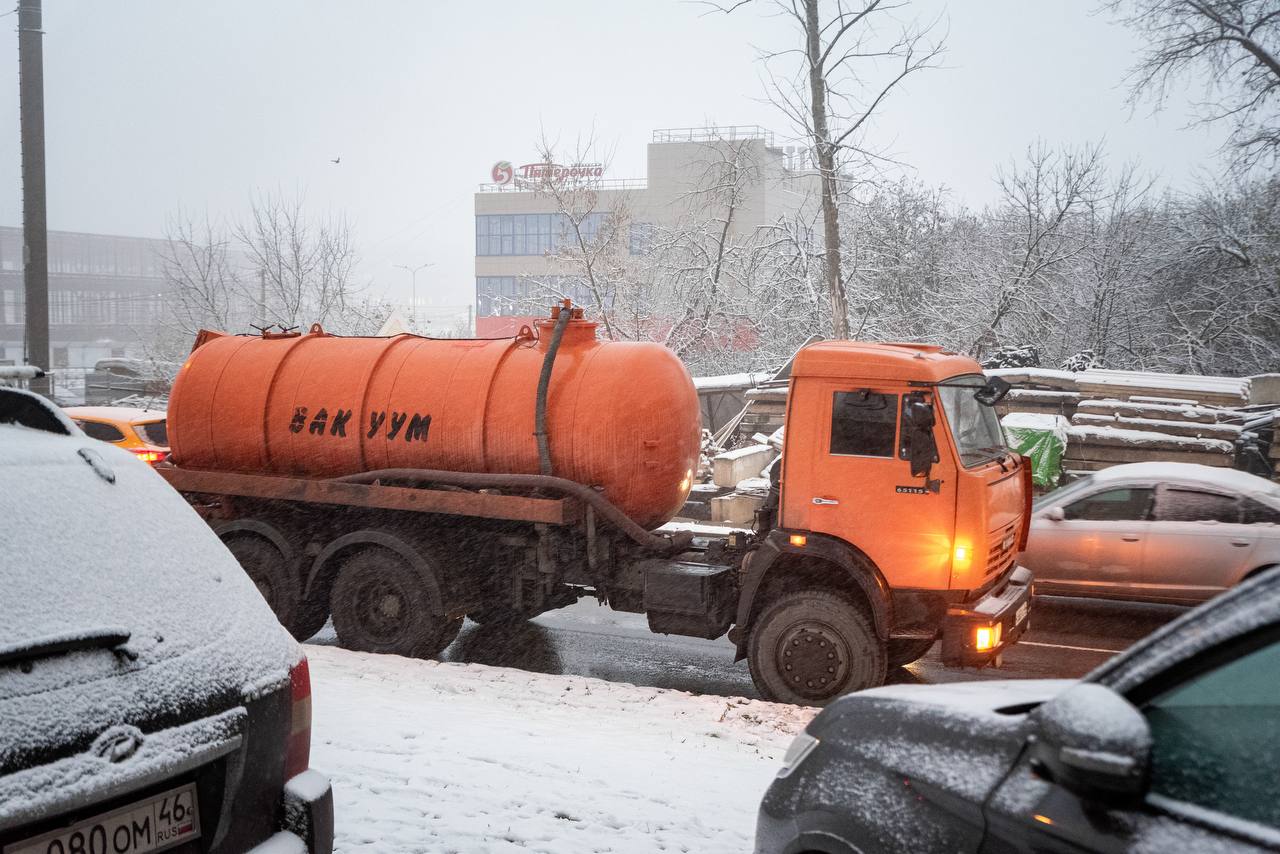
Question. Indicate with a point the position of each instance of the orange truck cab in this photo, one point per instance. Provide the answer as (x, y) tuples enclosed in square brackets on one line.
[(897, 495)]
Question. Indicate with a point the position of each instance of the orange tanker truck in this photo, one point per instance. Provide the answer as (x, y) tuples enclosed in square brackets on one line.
[(403, 483)]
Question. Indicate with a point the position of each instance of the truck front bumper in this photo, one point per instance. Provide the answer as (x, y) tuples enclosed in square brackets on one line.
[(976, 634)]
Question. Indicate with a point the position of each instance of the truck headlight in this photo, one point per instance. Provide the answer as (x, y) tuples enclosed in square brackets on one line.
[(801, 747)]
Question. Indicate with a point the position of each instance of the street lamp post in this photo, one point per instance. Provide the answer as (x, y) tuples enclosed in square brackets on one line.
[(413, 297)]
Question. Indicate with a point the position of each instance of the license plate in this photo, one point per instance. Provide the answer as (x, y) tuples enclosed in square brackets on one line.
[(155, 824), (1021, 613)]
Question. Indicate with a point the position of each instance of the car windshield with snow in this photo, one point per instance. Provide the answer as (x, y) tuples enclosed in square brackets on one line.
[(148, 696)]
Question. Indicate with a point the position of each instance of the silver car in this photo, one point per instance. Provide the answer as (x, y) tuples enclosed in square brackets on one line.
[(1157, 532)]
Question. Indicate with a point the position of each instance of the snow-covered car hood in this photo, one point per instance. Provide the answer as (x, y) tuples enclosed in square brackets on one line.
[(976, 696), (951, 743), (93, 539)]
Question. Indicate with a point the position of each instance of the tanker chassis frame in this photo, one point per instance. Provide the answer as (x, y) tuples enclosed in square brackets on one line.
[(399, 556)]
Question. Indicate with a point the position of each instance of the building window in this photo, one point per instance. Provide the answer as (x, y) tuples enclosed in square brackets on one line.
[(531, 234)]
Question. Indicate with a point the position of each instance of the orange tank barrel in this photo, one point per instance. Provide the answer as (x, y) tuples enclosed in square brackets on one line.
[(622, 416)]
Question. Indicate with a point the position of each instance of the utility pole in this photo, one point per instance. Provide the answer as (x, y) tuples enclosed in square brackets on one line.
[(35, 233), (413, 299)]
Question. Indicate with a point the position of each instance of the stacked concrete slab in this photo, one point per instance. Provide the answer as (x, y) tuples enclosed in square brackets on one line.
[(1135, 416)]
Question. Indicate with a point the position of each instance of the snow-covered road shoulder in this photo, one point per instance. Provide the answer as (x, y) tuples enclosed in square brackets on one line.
[(434, 757)]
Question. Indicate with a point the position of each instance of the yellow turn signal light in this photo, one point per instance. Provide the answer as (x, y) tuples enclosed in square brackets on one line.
[(798, 540), (961, 557), (987, 637)]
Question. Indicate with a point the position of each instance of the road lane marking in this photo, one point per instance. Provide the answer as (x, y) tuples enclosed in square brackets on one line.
[(1065, 646)]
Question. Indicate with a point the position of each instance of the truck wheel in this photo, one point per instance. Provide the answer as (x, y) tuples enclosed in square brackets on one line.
[(265, 566), (379, 605), (810, 646), (907, 650)]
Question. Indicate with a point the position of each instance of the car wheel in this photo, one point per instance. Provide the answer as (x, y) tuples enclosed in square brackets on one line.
[(379, 605), (811, 646), (267, 569), (907, 650)]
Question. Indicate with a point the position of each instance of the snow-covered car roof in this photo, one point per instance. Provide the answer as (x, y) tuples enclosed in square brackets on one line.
[(1190, 474), (121, 414)]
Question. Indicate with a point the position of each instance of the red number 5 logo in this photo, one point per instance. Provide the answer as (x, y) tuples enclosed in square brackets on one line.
[(502, 172)]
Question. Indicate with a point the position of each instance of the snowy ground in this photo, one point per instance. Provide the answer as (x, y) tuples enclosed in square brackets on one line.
[(438, 757)]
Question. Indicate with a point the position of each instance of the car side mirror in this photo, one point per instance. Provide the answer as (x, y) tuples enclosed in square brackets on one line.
[(1055, 514), (1093, 742), (921, 448)]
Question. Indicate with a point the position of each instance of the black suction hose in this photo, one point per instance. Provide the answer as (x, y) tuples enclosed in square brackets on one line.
[(544, 381)]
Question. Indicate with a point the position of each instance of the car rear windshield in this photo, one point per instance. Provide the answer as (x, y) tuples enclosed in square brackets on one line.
[(153, 432), (100, 430)]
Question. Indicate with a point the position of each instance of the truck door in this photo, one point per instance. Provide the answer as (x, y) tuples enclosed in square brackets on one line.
[(845, 477)]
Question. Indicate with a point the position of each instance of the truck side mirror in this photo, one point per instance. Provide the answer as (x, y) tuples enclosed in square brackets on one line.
[(917, 434), (993, 392), (1093, 742)]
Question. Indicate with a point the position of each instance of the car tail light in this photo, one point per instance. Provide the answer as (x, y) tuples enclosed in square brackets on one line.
[(297, 756), (149, 456)]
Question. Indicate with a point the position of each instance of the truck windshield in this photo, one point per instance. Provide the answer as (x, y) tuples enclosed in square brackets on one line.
[(975, 427)]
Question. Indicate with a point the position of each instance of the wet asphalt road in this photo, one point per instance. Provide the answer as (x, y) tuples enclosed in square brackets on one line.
[(1068, 638)]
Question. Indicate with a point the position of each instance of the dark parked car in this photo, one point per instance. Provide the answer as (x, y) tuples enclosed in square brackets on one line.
[(149, 699), (1172, 746)]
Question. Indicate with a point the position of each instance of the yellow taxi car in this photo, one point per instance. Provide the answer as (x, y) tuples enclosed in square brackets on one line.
[(144, 432)]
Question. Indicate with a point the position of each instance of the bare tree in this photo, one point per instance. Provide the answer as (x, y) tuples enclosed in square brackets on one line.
[(704, 265), (1043, 198), (854, 54), (278, 267), (304, 266), (202, 282), (1232, 47), (591, 235)]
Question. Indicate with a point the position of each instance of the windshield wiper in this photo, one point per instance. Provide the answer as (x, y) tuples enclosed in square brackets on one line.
[(989, 453), (112, 638)]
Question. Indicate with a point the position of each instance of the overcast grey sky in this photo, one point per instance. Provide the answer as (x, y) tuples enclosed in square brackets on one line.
[(152, 105)]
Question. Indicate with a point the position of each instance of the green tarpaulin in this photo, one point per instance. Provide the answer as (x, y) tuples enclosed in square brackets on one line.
[(1043, 438)]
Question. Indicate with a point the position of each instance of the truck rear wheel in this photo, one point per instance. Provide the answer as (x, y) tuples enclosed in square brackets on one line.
[(379, 605), (811, 646), (907, 650), (265, 566)]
